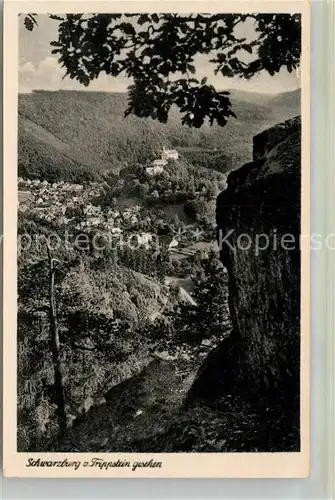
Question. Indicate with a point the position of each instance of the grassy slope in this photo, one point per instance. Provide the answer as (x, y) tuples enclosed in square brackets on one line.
[(89, 128)]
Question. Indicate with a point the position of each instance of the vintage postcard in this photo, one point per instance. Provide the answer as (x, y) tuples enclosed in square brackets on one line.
[(156, 239)]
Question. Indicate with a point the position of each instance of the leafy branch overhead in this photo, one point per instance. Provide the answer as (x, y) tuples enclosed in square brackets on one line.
[(29, 21), (159, 51)]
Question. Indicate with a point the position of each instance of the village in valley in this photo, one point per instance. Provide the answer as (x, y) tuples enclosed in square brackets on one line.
[(81, 208)]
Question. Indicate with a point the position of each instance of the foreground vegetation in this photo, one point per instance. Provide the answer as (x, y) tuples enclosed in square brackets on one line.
[(115, 308)]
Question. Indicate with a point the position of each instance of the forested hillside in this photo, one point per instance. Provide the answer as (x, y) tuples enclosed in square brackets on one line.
[(75, 136)]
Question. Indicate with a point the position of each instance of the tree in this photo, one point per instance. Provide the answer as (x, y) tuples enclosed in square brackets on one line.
[(113, 203), (186, 326), (143, 190), (154, 197), (158, 51), (195, 208), (74, 212), (55, 348)]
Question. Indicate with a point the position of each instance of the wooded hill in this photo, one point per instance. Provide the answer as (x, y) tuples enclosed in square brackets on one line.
[(76, 136)]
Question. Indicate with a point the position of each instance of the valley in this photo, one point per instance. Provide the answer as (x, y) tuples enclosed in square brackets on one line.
[(141, 294)]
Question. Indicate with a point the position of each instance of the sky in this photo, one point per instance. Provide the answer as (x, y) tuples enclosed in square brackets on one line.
[(39, 69)]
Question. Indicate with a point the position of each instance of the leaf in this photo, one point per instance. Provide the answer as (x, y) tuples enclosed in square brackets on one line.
[(143, 19), (56, 18), (247, 47), (227, 71), (128, 28), (204, 80), (191, 69), (28, 23), (114, 69), (221, 57)]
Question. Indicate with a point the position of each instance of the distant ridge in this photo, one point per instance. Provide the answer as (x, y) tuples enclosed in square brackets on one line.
[(62, 132), (290, 99)]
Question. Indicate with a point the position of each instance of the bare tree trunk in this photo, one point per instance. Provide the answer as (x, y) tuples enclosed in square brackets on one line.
[(55, 348)]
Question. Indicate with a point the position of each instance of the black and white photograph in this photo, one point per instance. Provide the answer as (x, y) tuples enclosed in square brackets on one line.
[(158, 227)]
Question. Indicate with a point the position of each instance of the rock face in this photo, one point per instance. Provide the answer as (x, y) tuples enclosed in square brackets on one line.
[(259, 208)]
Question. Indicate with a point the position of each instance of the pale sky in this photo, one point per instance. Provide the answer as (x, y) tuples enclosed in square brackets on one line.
[(39, 69)]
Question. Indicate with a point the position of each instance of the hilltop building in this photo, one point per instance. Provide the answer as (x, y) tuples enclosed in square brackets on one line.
[(169, 154), (158, 165)]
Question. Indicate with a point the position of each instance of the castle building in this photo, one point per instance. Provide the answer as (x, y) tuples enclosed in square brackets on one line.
[(158, 165), (169, 154)]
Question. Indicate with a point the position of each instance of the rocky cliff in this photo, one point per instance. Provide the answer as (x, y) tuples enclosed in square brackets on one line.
[(258, 219)]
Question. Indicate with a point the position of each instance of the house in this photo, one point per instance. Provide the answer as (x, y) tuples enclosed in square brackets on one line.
[(63, 220), (150, 170), (77, 187), (169, 154), (173, 243), (94, 221), (144, 239), (90, 210), (159, 163), (185, 297), (157, 167), (112, 214), (24, 196), (126, 216)]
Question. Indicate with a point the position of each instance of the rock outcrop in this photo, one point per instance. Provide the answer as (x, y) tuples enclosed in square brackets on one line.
[(258, 219)]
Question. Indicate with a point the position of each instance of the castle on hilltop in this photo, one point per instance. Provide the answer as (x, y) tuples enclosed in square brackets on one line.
[(159, 164), (169, 154)]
